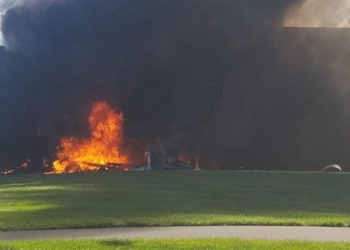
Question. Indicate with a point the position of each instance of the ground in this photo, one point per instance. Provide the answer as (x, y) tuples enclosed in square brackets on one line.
[(212, 244), (91, 200)]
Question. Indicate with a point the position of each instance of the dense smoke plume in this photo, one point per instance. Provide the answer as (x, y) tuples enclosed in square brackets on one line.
[(218, 78)]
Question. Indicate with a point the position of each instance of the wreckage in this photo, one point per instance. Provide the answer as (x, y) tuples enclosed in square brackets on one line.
[(332, 168), (158, 159), (103, 150)]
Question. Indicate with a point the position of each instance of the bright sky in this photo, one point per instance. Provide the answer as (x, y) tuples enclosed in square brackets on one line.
[(319, 13), (1, 12), (4, 4), (1, 38)]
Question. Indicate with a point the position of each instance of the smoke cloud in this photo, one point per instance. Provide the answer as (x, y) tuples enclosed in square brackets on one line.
[(319, 13), (325, 14), (223, 75)]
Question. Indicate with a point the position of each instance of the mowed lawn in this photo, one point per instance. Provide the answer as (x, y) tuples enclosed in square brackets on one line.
[(212, 244), (121, 199)]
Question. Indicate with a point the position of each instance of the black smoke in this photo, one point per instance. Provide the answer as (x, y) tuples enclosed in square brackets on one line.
[(219, 75)]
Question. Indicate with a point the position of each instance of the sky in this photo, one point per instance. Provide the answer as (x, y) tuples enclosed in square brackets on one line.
[(4, 4), (1, 37), (221, 76), (319, 13), (2, 42)]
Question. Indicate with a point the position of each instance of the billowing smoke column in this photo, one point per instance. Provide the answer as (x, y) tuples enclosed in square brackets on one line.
[(319, 13), (219, 78)]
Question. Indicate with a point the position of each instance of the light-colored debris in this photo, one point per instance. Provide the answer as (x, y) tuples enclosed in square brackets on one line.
[(332, 167)]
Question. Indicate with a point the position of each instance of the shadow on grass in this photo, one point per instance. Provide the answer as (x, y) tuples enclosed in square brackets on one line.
[(168, 198), (116, 243), (9, 248)]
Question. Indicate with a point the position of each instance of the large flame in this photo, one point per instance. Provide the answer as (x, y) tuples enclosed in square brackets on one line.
[(78, 155)]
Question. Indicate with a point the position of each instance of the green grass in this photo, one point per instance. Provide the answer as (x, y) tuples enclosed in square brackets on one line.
[(173, 198), (212, 244)]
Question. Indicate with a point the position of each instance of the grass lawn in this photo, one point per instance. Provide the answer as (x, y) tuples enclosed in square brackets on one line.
[(213, 244), (173, 198)]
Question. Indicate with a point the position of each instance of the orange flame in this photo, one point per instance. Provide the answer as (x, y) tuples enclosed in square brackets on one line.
[(103, 147)]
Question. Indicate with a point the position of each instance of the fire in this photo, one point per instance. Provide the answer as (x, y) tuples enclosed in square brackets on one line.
[(102, 149)]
